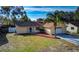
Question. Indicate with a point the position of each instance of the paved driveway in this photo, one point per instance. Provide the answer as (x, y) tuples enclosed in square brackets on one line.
[(69, 38)]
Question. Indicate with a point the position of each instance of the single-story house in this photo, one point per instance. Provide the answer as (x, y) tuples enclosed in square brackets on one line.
[(50, 28), (72, 27), (27, 27)]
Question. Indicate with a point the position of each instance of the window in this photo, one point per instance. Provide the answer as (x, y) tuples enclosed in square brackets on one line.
[(37, 28), (72, 28)]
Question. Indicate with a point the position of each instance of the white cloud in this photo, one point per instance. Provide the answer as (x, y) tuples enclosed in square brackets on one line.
[(48, 9)]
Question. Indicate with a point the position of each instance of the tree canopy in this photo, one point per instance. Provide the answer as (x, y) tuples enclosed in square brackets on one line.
[(14, 12)]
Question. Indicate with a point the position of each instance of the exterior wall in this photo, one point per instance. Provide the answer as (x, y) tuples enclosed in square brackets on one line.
[(52, 31), (22, 30), (69, 26), (49, 31), (59, 30), (35, 30)]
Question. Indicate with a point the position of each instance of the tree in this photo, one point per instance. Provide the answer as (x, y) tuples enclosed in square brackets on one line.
[(5, 10), (50, 17), (55, 17), (6, 21), (77, 14), (14, 12), (20, 13), (24, 17), (41, 20)]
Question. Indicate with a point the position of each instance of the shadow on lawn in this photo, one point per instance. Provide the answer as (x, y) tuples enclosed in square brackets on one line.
[(3, 39), (27, 34), (33, 34)]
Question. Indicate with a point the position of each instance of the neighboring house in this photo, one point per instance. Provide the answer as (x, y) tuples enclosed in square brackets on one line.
[(27, 27), (72, 27), (50, 28)]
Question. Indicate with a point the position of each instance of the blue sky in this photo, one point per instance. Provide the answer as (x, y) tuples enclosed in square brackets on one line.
[(35, 12)]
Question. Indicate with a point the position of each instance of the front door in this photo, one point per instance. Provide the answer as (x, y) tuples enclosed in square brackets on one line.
[(30, 29)]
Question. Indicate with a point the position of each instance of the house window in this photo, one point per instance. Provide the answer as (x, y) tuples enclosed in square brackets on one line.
[(72, 28), (37, 28)]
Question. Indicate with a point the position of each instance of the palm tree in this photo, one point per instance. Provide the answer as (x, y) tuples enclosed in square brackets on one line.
[(41, 20), (55, 17), (52, 18)]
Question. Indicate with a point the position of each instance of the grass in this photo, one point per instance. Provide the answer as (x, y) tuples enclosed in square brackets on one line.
[(30, 43)]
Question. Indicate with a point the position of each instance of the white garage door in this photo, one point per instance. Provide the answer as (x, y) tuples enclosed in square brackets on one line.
[(59, 30)]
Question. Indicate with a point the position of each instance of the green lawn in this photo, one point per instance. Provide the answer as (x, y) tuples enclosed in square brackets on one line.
[(32, 43)]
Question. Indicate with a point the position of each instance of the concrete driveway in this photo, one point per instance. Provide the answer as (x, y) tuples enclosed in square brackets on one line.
[(69, 38)]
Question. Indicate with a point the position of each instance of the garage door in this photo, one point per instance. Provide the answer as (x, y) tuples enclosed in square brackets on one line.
[(59, 30)]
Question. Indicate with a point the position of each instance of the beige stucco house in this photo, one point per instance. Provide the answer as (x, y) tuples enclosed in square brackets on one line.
[(50, 28), (27, 27), (31, 27)]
